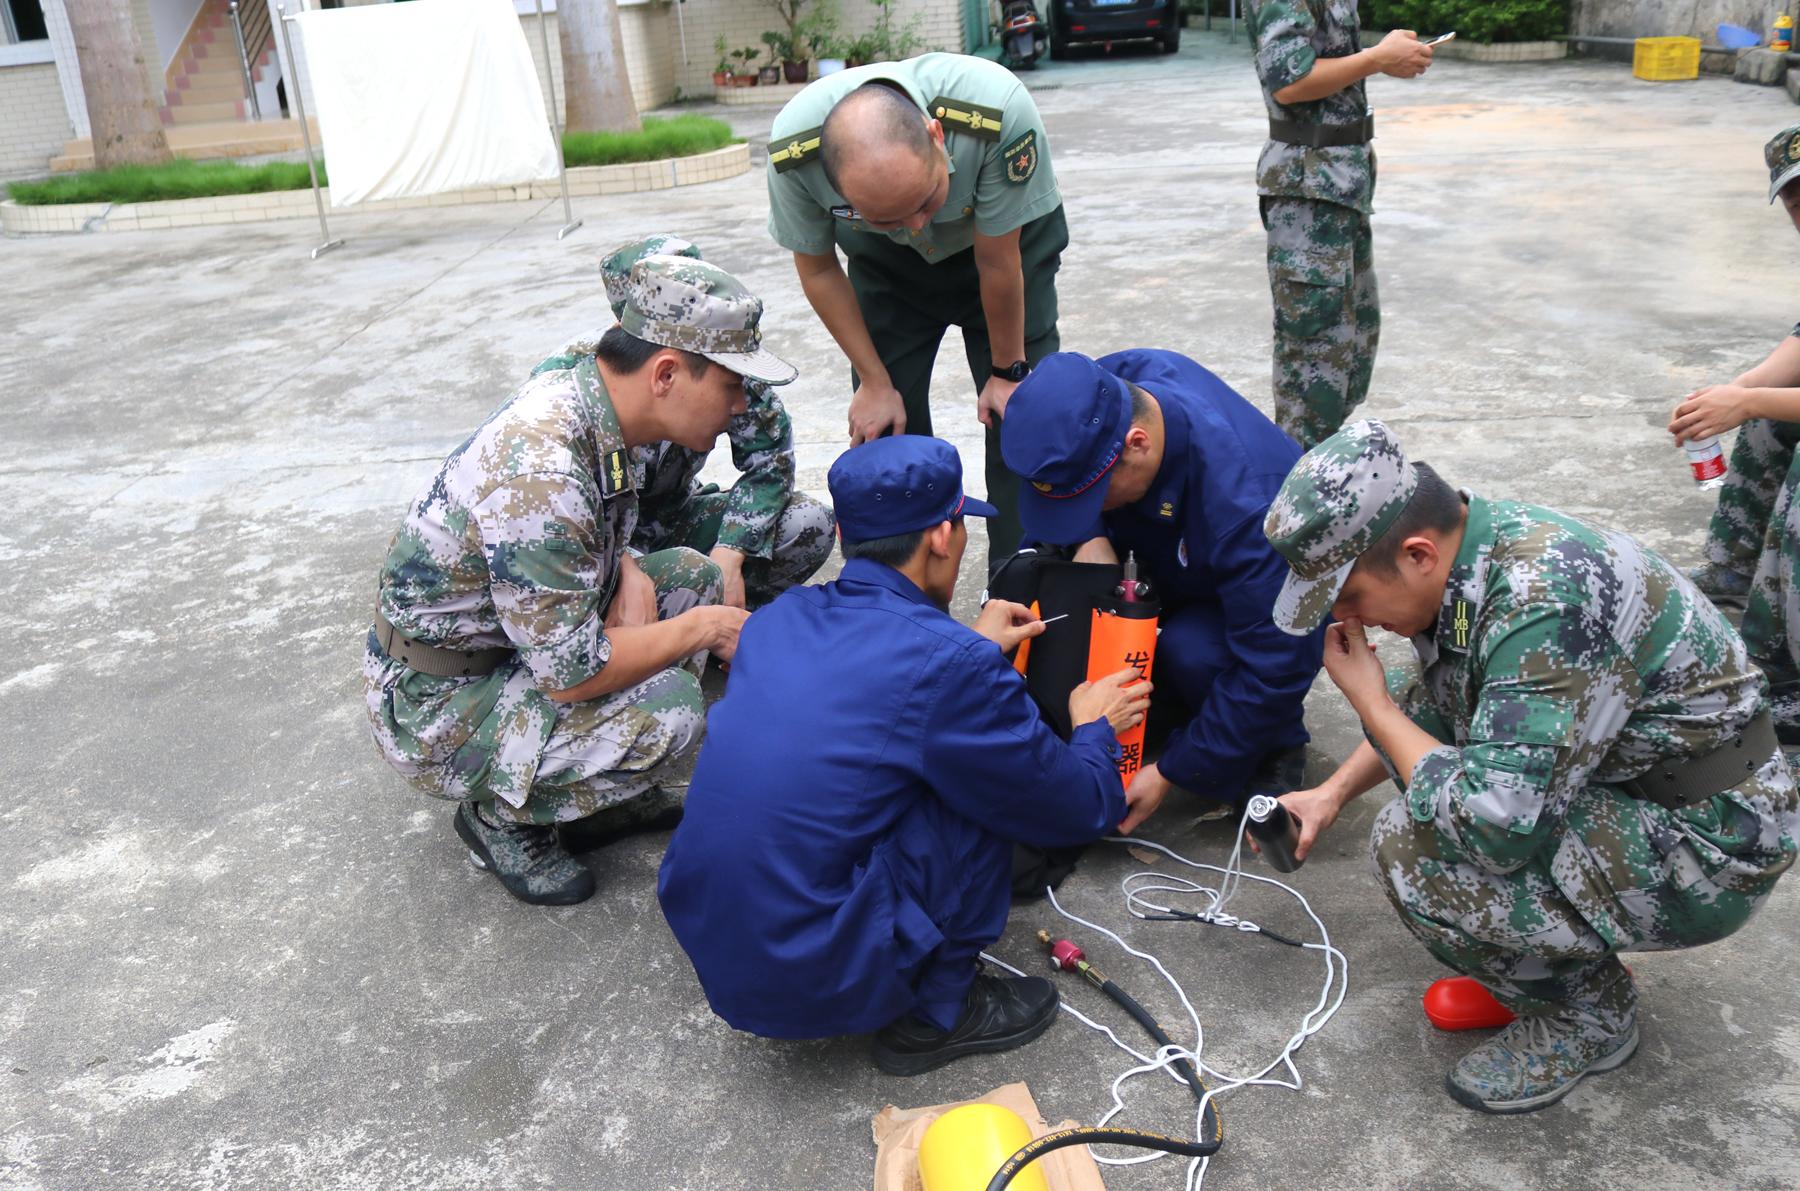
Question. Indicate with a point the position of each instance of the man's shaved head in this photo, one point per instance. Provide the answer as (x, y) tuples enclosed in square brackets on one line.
[(879, 151)]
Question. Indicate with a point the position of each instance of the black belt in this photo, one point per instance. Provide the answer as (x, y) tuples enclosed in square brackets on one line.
[(1322, 136), (1676, 784), (436, 660)]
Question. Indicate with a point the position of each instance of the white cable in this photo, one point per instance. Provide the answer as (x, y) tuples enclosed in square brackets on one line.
[(1134, 886)]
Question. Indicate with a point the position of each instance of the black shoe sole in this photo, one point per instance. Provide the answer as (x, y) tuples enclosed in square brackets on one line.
[(919, 1062), (580, 843), (484, 860)]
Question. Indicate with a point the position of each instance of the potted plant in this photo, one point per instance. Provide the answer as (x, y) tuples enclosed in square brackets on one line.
[(721, 72), (770, 73), (859, 51), (810, 26), (744, 73)]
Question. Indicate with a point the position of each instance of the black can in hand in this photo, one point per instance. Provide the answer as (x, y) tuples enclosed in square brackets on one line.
[(1276, 832)]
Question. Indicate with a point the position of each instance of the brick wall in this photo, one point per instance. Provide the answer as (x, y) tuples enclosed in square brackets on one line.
[(37, 123), (742, 23)]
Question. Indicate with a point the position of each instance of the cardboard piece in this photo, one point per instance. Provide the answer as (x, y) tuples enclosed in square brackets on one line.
[(899, 1130)]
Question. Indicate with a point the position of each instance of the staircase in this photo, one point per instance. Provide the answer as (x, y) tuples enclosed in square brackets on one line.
[(205, 84)]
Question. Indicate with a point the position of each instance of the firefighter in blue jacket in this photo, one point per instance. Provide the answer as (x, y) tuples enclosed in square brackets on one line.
[(1149, 453), (846, 852)]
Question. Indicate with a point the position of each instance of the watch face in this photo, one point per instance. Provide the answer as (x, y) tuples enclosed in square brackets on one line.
[(1015, 372)]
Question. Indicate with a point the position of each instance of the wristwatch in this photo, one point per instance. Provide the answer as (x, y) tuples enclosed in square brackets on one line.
[(1017, 371)]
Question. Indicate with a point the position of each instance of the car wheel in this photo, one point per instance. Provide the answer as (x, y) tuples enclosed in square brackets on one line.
[(1059, 49), (1171, 41)]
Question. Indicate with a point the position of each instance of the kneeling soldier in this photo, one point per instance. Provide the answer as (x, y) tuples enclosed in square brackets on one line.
[(764, 535), (522, 662), (1586, 761)]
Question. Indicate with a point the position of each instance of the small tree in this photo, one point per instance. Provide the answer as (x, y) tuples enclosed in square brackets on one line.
[(596, 83), (124, 116)]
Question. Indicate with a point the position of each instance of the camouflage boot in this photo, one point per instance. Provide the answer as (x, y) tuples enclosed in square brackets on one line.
[(1538, 1060), (529, 861), (1720, 584), (659, 809)]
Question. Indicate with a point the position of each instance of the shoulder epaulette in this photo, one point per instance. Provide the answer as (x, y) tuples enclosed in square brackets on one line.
[(795, 151), (971, 119)]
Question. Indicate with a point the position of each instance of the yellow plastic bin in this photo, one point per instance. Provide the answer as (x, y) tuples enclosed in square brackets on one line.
[(1666, 59)]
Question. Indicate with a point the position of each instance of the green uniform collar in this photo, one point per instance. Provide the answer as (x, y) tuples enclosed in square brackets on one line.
[(614, 468), (1467, 581)]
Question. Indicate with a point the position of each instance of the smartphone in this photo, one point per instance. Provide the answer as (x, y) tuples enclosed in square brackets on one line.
[(1440, 39)]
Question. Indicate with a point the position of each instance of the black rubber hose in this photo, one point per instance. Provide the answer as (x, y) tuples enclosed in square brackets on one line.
[(1038, 1147), (1183, 1067)]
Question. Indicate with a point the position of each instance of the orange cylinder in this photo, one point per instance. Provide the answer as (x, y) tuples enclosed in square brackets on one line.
[(1118, 639), (1022, 655)]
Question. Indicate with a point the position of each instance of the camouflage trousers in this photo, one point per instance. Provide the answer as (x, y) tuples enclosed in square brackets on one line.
[(1772, 615), (1624, 875), (800, 544), (1761, 460), (498, 741), (1327, 313)]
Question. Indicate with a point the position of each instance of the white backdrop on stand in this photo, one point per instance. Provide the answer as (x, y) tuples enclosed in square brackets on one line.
[(425, 98)]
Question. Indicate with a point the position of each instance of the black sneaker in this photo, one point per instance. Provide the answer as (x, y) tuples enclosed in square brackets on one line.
[(657, 810), (999, 1013), (529, 861), (1278, 773)]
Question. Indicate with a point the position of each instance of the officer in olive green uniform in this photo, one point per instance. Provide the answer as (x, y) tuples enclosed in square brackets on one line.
[(993, 223), (1316, 177)]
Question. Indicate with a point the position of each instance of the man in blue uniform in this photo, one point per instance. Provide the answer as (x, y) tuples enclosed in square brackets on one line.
[(847, 848), (1149, 453)]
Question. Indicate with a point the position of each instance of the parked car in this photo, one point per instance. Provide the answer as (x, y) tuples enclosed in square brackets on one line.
[(1086, 22)]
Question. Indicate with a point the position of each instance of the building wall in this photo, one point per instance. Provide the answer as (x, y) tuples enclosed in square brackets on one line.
[(649, 51), (37, 122), (742, 22)]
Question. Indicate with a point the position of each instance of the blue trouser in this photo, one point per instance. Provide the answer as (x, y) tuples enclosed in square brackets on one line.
[(1193, 651), (970, 883)]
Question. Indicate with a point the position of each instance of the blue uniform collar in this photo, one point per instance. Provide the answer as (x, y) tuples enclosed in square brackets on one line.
[(1163, 503), (876, 574)]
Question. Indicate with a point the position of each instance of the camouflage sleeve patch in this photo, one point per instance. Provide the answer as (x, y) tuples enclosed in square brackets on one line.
[(540, 532), (1284, 32), (762, 446)]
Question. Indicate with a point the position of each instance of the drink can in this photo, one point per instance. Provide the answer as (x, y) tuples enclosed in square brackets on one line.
[(1706, 459)]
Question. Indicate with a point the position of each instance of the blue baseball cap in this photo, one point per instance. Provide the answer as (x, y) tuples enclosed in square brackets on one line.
[(898, 485), (1064, 429)]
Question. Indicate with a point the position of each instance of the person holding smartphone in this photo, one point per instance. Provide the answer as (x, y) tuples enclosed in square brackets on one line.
[(1316, 177)]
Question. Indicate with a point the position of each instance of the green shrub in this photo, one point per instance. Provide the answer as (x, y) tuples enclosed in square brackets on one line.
[(178, 179), (1477, 20), (662, 136)]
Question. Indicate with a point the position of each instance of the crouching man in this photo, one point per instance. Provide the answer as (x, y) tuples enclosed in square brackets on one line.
[(1586, 760), (848, 841)]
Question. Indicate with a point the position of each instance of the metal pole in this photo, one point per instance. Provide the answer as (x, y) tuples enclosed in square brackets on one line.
[(570, 223), (1234, 20), (244, 62), (312, 170)]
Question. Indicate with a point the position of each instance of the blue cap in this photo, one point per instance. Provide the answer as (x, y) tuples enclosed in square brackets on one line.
[(1064, 429), (898, 485)]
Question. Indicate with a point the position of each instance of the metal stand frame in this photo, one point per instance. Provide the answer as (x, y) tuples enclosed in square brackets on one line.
[(312, 169), (570, 223)]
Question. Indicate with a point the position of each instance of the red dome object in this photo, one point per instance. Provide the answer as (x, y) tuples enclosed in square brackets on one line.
[(1461, 1003)]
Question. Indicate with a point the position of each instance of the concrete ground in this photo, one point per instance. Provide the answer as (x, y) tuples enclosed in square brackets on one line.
[(238, 951)]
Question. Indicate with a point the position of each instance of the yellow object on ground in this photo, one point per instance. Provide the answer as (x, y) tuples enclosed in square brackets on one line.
[(1666, 59), (900, 1132), (963, 1148)]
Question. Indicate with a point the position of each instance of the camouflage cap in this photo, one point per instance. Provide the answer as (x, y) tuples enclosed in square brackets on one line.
[(1783, 157), (615, 270), (678, 301), (1336, 503)]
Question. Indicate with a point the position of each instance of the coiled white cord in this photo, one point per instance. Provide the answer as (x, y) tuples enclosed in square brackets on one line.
[(1135, 886)]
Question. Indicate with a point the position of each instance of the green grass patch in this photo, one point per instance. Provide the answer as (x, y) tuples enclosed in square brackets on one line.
[(178, 179), (662, 137)]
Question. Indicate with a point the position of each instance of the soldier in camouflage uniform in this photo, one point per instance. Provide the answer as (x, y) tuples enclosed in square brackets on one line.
[(763, 535), (1585, 759), (522, 662), (1316, 177), (1752, 547)]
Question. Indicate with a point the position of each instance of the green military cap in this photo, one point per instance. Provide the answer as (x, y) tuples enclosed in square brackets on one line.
[(1783, 157), (615, 270), (1336, 503), (678, 301)]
